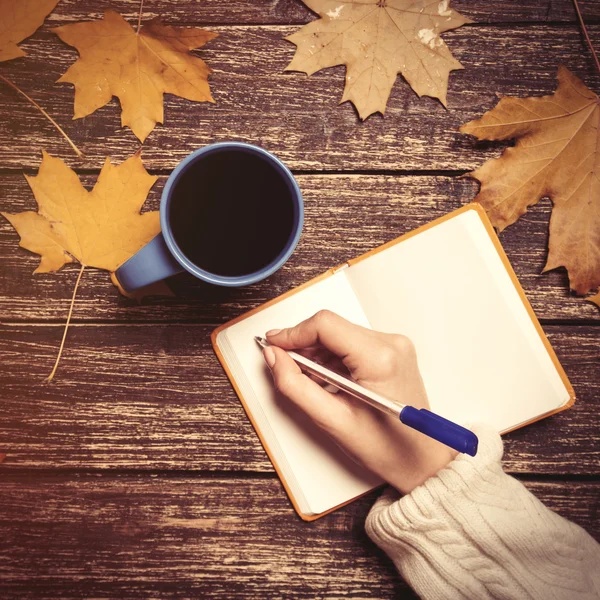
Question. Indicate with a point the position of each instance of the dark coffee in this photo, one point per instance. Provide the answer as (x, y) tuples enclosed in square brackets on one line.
[(232, 212)]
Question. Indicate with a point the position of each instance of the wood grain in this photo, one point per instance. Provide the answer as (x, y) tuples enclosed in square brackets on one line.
[(155, 397), (294, 11), (291, 114), (135, 536), (137, 473), (389, 206)]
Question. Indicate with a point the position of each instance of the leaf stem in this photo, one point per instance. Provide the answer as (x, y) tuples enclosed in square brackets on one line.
[(585, 33), (62, 344), (140, 16), (79, 153)]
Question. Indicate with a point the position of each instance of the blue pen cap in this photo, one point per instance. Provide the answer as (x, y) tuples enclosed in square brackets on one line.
[(440, 429)]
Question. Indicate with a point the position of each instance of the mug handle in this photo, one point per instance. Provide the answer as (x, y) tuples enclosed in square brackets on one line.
[(150, 264)]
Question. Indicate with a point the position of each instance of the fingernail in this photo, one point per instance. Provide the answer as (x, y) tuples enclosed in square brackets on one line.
[(273, 332), (269, 356)]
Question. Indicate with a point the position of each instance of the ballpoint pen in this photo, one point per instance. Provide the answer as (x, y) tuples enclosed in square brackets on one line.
[(421, 419)]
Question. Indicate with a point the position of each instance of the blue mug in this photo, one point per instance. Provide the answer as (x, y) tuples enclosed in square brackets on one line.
[(172, 252)]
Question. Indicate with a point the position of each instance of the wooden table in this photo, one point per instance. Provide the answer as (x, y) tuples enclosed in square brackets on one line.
[(136, 473)]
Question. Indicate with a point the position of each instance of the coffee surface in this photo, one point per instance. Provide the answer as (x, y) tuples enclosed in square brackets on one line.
[(231, 213)]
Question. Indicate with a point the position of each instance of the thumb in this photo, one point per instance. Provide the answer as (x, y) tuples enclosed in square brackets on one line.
[(328, 411)]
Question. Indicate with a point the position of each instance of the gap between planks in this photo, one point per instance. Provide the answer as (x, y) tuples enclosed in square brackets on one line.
[(589, 20), (209, 324), (13, 172), (220, 474)]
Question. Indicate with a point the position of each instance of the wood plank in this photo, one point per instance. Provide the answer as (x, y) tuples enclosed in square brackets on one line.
[(294, 11), (135, 536), (154, 396), (291, 114), (389, 206)]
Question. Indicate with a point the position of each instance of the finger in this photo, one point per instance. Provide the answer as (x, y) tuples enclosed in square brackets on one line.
[(336, 364), (324, 357), (329, 329), (322, 383), (322, 407), (316, 353)]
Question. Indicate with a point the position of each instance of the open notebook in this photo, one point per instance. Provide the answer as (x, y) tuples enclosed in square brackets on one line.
[(449, 287)]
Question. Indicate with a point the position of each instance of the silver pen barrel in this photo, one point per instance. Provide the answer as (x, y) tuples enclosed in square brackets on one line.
[(341, 382), (347, 385)]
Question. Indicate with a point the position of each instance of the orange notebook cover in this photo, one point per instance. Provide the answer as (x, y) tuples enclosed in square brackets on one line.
[(474, 307)]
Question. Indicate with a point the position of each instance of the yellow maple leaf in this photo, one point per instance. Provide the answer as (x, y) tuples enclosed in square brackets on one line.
[(136, 66), (595, 299), (557, 154), (376, 40), (18, 20), (101, 228)]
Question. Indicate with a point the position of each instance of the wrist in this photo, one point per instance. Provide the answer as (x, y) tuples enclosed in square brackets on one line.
[(429, 459)]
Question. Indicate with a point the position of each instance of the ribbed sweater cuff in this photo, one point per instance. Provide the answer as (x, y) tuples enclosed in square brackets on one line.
[(472, 531)]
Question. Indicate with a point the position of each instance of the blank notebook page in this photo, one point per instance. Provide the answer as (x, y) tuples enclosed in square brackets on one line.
[(319, 474), (480, 355)]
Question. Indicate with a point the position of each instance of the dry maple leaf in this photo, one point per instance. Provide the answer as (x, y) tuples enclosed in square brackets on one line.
[(18, 20), (595, 299), (557, 154), (137, 67), (101, 228), (376, 40)]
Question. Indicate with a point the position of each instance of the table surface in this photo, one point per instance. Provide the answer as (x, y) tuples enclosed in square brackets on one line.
[(136, 473)]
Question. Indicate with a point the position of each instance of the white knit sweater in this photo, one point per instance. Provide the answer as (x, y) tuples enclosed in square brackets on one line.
[(474, 532)]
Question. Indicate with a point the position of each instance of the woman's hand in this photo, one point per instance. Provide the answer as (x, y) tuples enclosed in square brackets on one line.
[(382, 362)]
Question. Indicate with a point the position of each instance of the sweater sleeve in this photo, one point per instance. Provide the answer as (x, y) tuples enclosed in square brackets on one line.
[(472, 531)]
